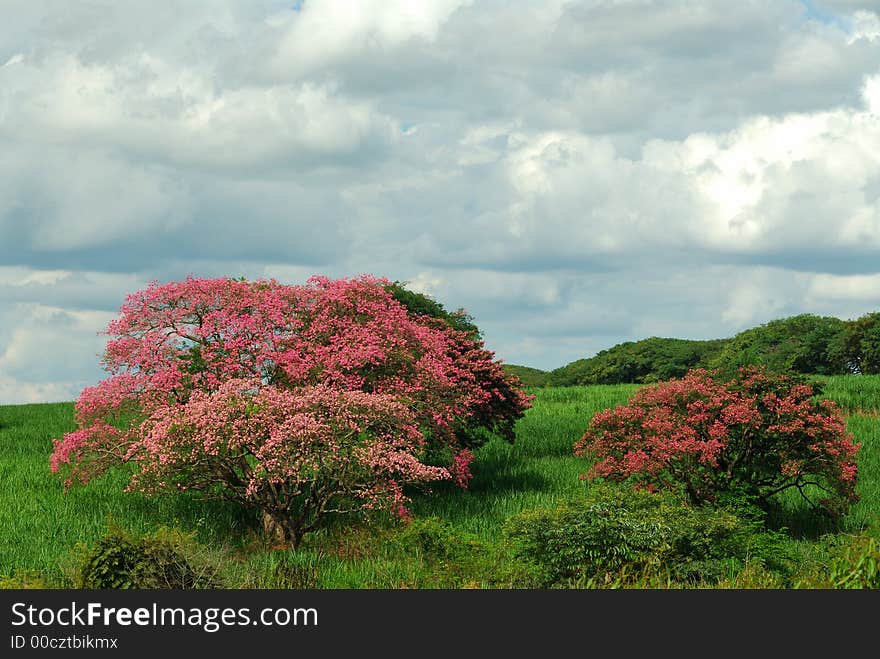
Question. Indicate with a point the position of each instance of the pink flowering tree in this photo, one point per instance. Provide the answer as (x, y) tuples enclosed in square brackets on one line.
[(758, 434), (295, 455), (176, 347)]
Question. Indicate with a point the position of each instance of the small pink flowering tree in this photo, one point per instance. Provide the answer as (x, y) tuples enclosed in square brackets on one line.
[(295, 455), (758, 434), (176, 347)]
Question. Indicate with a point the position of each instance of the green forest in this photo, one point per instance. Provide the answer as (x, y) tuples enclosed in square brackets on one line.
[(806, 344)]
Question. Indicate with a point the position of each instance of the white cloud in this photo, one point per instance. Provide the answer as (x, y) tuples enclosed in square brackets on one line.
[(574, 173), (425, 283), (769, 188), (84, 198), (754, 298), (21, 277), (322, 33), (18, 58), (153, 108), (49, 352), (14, 392), (871, 93), (866, 25), (864, 288)]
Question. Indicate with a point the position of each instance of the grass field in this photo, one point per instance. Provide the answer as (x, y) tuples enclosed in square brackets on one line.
[(41, 524)]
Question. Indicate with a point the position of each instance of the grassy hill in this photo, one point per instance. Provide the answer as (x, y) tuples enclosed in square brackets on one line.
[(530, 377)]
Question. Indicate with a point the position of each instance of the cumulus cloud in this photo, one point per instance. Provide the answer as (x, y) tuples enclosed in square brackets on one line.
[(153, 109), (321, 34), (574, 173), (864, 288), (773, 191), (49, 353)]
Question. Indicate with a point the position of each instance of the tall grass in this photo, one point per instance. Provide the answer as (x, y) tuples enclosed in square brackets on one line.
[(856, 394), (41, 524)]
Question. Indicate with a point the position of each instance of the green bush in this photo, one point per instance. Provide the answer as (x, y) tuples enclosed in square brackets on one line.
[(163, 560), (616, 529)]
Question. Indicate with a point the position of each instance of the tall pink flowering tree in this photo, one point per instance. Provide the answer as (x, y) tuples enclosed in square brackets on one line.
[(758, 434), (232, 350)]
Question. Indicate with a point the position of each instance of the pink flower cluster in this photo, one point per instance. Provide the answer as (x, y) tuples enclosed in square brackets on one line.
[(760, 433)]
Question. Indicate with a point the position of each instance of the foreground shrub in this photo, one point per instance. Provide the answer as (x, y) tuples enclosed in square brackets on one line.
[(754, 436), (291, 399), (615, 531), (163, 560)]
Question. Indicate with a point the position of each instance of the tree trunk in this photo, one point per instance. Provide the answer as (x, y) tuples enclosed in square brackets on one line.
[(279, 530)]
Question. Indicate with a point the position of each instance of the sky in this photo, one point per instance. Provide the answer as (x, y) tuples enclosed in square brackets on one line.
[(573, 173)]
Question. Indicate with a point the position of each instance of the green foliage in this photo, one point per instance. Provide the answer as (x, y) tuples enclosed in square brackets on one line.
[(649, 360), (162, 560), (419, 304), (614, 530), (859, 344), (805, 343), (754, 576), (438, 540), (530, 377), (802, 344)]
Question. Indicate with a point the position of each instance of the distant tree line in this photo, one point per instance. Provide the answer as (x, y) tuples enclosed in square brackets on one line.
[(807, 343)]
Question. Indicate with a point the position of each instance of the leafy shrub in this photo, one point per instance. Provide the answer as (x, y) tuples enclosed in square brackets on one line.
[(437, 540), (753, 576), (451, 559), (162, 560), (756, 435), (617, 530)]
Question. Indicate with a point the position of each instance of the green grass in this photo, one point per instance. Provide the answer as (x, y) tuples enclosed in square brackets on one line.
[(41, 524), (856, 394)]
